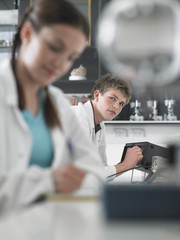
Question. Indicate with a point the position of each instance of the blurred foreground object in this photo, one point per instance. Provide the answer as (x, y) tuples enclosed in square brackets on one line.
[(140, 40), (150, 202)]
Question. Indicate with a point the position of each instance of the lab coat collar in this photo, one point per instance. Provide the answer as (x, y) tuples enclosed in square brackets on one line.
[(89, 108), (10, 84)]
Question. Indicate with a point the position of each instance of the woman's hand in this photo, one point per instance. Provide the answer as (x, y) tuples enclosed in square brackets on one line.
[(68, 178)]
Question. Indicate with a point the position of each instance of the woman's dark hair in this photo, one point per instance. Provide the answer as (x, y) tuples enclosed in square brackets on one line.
[(45, 13), (110, 81)]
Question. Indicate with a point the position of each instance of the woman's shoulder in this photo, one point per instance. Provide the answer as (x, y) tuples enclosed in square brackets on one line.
[(57, 94), (5, 67), (7, 80), (58, 97), (55, 91)]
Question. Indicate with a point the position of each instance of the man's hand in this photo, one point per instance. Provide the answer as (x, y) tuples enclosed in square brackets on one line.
[(68, 178), (133, 156)]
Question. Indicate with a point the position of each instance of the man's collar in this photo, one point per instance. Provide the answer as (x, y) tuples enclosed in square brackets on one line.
[(98, 126)]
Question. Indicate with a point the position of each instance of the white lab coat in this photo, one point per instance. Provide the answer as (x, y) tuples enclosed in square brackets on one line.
[(20, 184), (85, 115)]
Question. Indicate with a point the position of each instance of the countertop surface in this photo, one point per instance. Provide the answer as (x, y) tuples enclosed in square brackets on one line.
[(141, 122), (81, 220)]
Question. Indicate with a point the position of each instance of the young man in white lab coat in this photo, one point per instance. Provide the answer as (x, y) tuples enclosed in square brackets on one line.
[(108, 97)]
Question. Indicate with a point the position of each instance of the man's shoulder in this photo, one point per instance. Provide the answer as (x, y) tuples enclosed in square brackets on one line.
[(84, 112), (81, 107)]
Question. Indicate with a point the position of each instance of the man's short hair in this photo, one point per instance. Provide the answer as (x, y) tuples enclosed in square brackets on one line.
[(110, 81)]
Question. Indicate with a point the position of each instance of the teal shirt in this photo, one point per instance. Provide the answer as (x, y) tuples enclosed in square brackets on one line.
[(42, 147)]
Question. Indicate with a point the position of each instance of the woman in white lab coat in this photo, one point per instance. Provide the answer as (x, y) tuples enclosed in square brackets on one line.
[(42, 146)]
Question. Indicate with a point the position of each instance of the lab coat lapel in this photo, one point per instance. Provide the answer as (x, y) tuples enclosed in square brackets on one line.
[(90, 114)]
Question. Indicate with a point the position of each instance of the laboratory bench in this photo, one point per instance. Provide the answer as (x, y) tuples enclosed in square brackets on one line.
[(80, 220), (118, 133)]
